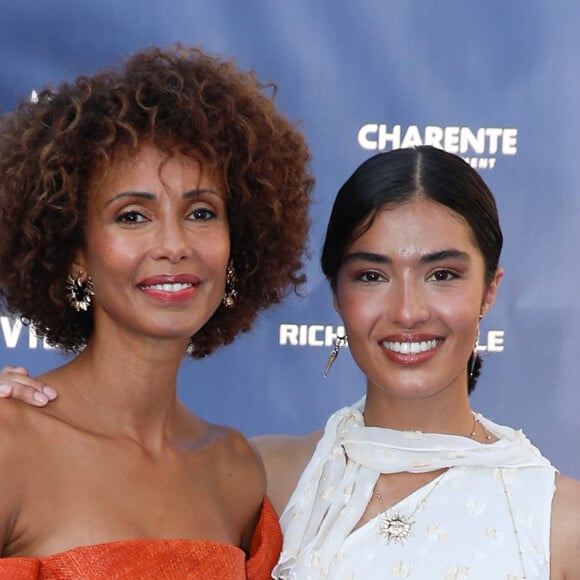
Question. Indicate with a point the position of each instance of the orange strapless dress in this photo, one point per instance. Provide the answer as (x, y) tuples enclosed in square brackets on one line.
[(155, 559)]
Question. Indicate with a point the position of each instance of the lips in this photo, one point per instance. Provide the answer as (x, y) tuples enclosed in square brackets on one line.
[(167, 287), (411, 350), (411, 347), (170, 288)]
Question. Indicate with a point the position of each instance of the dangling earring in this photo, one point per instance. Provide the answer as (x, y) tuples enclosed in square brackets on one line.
[(338, 343), (473, 357), (231, 293), (78, 292)]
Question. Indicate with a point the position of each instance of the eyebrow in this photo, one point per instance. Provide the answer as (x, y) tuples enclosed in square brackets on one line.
[(148, 195), (427, 258)]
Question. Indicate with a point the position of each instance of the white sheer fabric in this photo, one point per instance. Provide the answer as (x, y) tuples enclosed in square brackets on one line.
[(464, 529)]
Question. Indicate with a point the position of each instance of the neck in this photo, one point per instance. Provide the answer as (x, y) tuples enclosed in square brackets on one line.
[(447, 412), (122, 388)]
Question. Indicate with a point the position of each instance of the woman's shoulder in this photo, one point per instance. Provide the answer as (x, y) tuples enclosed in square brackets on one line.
[(286, 448), (565, 530), (19, 423), (232, 446), (566, 505), (20, 427), (284, 457)]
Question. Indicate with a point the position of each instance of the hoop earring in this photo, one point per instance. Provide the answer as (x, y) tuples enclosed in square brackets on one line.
[(473, 357), (230, 293), (79, 292), (338, 344)]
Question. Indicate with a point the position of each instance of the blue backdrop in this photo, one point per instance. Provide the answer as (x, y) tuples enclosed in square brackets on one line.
[(497, 82)]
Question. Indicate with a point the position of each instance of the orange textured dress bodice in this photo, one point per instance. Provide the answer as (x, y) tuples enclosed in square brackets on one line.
[(158, 559)]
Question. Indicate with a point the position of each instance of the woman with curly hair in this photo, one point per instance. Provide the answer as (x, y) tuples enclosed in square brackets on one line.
[(410, 481), (146, 214)]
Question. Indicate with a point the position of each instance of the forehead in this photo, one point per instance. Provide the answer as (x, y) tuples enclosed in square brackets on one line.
[(148, 168), (417, 226)]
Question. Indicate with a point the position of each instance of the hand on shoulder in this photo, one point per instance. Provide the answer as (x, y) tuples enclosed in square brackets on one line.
[(285, 458), (16, 383)]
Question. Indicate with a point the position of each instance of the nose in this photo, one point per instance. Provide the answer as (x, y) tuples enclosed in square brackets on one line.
[(172, 241), (407, 304)]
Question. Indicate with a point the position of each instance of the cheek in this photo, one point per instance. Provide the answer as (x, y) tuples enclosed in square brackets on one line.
[(462, 317), (113, 260), (219, 251), (359, 310), (113, 255), (215, 258)]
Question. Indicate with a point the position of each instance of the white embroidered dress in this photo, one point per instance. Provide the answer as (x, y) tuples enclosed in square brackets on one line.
[(473, 520)]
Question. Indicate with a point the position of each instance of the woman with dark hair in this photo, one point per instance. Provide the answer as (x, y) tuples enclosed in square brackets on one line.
[(410, 481), (383, 182), (147, 213)]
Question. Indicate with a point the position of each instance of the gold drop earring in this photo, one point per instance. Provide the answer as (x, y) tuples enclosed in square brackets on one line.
[(338, 344), (473, 357)]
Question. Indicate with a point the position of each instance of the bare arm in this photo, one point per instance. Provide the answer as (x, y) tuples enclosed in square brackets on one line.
[(284, 457), (16, 383), (565, 533)]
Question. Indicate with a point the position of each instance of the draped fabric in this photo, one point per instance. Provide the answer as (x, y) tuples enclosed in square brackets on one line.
[(337, 485), (158, 559)]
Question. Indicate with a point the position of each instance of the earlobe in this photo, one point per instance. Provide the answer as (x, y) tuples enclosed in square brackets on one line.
[(79, 265), (491, 292), (78, 271), (335, 302)]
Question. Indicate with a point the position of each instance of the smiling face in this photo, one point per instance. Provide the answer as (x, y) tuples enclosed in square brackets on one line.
[(410, 292), (157, 245)]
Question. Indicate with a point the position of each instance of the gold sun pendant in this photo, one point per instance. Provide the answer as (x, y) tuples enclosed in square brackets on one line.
[(395, 527)]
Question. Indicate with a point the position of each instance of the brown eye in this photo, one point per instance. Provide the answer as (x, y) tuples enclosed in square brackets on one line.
[(443, 276), (130, 217), (203, 214), (370, 277)]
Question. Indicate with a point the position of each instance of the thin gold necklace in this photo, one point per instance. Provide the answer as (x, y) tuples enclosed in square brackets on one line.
[(477, 422)]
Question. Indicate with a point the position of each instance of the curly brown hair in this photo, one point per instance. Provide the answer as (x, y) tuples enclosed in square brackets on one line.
[(180, 97)]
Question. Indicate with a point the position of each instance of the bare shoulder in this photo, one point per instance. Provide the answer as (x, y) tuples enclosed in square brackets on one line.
[(565, 532), (284, 457), (239, 478), (24, 431), (18, 424), (238, 457)]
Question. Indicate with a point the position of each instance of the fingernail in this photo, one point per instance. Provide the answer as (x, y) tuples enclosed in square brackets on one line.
[(49, 392), (5, 390), (40, 397)]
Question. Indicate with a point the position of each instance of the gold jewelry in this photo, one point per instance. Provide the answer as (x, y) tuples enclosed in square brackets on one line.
[(231, 293), (473, 358), (397, 527), (477, 422), (509, 504), (79, 292), (338, 343)]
